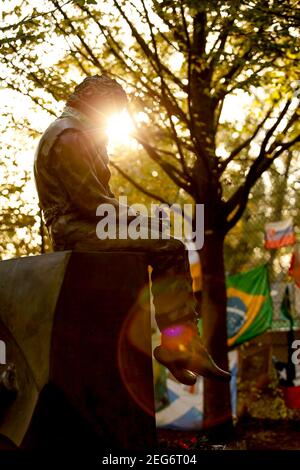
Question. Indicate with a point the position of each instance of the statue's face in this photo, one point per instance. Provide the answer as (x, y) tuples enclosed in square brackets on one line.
[(101, 109)]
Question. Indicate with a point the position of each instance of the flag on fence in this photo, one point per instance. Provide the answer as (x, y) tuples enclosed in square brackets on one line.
[(282, 369), (249, 305), (294, 270), (278, 234), (285, 307)]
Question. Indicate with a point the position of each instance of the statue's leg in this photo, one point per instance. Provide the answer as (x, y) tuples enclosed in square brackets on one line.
[(172, 291), (181, 349)]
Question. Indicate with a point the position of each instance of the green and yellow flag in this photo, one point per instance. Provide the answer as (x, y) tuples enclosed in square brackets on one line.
[(249, 305)]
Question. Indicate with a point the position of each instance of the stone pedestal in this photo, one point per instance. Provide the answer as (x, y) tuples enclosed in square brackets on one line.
[(82, 380)]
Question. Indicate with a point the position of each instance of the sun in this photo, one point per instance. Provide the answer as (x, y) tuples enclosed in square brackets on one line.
[(119, 128)]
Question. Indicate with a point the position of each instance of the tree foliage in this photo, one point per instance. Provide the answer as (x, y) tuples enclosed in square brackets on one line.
[(223, 48)]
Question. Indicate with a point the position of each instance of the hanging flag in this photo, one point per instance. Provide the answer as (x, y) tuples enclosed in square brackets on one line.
[(282, 369), (249, 305), (285, 308), (278, 234), (182, 406), (286, 312), (297, 298), (294, 270), (195, 268)]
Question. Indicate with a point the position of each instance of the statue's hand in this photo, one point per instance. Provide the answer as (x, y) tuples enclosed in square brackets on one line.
[(183, 353)]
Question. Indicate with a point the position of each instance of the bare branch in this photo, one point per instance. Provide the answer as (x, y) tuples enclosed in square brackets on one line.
[(76, 51), (173, 27), (291, 121), (165, 90), (189, 49), (176, 175), (30, 19), (139, 186), (242, 84), (115, 47), (125, 59), (236, 68), (223, 36), (244, 144), (159, 32), (237, 203), (273, 128), (33, 98), (35, 79), (95, 60), (146, 49)]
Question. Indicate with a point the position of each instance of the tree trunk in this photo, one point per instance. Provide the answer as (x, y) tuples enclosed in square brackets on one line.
[(217, 405)]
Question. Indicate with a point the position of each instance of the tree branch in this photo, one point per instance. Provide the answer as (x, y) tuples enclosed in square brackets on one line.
[(223, 164), (95, 60), (294, 118), (138, 186), (30, 19), (165, 89), (173, 27), (273, 128), (146, 49), (189, 49), (120, 54), (159, 32), (238, 201), (172, 172), (223, 36)]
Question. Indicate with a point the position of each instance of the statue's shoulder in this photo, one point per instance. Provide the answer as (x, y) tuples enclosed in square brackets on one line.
[(53, 132)]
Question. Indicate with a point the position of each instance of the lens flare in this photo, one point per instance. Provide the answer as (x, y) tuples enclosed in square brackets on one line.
[(119, 127), (177, 337)]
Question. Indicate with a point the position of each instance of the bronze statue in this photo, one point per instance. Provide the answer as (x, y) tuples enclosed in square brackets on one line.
[(72, 178)]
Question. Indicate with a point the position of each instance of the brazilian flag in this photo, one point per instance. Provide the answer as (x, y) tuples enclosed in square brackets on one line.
[(249, 305)]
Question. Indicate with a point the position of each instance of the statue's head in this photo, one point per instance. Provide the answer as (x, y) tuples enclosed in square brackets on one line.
[(98, 95)]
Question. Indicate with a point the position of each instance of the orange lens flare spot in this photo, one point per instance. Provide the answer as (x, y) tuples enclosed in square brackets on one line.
[(177, 337)]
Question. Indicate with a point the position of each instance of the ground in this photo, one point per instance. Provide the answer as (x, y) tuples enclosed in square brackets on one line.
[(264, 423), (249, 434)]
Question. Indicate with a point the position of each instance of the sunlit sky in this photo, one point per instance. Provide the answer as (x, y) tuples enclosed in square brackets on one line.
[(119, 127)]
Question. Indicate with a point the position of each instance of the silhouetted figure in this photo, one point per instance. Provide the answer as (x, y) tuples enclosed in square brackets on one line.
[(72, 177)]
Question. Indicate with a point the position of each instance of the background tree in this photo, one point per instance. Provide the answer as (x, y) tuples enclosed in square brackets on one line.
[(183, 63), (247, 237), (20, 220)]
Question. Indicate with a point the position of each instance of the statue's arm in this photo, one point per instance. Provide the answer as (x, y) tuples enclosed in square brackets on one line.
[(73, 164)]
